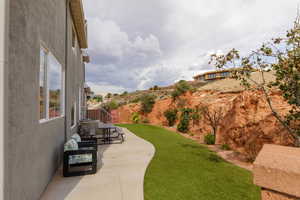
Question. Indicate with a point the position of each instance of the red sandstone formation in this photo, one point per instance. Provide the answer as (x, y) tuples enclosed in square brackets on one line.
[(247, 124)]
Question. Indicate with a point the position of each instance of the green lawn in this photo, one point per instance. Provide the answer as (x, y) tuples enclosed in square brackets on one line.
[(184, 170)]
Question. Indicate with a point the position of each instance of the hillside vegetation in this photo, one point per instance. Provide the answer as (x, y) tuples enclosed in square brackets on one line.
[(224, 85)]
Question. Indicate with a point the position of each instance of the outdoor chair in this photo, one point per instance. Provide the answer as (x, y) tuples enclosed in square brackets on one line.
[(85, 142), (80, 158), (87, 128), (119, 134)]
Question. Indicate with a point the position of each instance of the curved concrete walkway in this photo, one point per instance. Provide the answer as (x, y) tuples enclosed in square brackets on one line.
[(120, 174)]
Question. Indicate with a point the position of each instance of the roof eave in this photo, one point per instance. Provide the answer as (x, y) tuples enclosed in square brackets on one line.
[(79, 22)]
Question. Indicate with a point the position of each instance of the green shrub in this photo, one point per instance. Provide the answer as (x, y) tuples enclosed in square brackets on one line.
[(193, 90), (98, 98), (225, 147), (108, 95), (145, 121), (175, 94), (180, 88), (112, 105), (124, 94), (209, 139), (155, 87), (191, 134), (196, 116), (184, 123), (147, 103), (171, 116), (135, 100), (135, 118), (214, 158)]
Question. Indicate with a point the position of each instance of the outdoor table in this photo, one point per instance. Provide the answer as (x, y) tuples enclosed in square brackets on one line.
[(106, 131)]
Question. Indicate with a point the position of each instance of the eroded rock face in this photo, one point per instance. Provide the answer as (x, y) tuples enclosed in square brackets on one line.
[(247, 123)]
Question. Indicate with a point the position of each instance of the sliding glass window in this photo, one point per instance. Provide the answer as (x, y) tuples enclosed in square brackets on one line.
[(51, 86)]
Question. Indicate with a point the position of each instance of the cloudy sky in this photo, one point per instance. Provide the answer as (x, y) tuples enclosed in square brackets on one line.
[(135, 44)]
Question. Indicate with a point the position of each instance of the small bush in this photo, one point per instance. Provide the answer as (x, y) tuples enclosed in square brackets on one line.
[(196, 116), (147, 102), (180, 88), (98, 98), (135, 118), (209, 139), (171, 116), (155, 87), (193, 90), (108, 95), (214, 158), (145, 121), (112, 105), (184, 123), (135, 100), (191, 134), (225, 147), (124, 94), (175, 94)]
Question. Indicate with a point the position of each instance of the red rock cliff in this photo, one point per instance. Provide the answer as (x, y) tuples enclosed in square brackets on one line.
[(247, 123)]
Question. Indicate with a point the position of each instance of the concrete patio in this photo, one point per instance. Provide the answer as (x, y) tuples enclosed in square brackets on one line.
[(120, 175)]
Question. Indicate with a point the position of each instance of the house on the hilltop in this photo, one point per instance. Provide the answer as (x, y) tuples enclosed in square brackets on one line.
[(213, 75), (42, 76), (216, 75)]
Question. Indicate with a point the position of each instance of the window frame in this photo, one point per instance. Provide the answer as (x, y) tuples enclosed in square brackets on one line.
[(44, 50), (47, 84)]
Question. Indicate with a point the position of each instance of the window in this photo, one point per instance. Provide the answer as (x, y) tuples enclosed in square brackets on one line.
[(211, 75), (51, 86), (73, 115), (55, 87), (225, 74)]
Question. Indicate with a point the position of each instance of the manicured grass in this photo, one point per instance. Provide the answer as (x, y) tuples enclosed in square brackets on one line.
[(182, 169)]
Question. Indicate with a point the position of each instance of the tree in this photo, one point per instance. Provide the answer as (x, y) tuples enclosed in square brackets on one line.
[(108, 96), (98, 98), (155, 87), (171, 116), (280, 55), (184, 123), (147, 103), (213, 117)]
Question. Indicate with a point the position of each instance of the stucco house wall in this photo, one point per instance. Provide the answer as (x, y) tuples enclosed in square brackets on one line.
[(74, 78), (4, 14), (34, 149)]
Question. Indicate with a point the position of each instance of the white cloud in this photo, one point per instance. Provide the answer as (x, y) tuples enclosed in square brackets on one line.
[(135, 44), (110, 42), (104, 88)]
